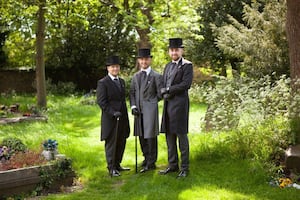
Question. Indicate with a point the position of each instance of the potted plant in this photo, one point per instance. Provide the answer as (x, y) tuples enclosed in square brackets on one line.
[(50, 149)]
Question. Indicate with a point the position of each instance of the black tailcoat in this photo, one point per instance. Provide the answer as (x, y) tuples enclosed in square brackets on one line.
[(111, 99), (176, 107)]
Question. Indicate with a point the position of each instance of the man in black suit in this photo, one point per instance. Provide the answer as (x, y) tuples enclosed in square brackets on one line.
[(177, 79), (111, 99)]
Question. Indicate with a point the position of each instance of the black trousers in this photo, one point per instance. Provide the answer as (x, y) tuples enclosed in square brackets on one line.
[(173, 153), (148, 147), (117, 147)]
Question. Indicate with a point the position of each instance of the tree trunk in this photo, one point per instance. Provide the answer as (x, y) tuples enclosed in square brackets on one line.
[(293, 35), (144, 41), (40, 64)]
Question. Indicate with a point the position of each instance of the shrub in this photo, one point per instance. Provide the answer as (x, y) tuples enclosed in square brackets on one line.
[(254, 115), (266, 141), (61, 87), (241, 102), (14, 144)]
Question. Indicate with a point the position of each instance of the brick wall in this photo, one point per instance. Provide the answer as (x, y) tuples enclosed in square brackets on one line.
[(17, 80), (23, 81)]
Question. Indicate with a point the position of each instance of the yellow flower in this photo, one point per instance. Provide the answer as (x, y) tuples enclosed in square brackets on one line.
[(284, 182)]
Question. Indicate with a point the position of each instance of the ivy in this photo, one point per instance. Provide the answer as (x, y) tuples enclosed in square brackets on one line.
[(59, 170)]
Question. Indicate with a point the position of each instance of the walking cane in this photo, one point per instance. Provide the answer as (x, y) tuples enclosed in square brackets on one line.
[(115, 144), (136, 128)]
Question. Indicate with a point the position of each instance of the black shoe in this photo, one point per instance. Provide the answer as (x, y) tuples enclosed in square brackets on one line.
[(148, 168), (144, 163), (114, 173), (183, 173), (168, 170), (119, 168)]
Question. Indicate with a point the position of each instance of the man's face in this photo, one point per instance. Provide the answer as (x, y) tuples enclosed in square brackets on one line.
[(113, 69), (175, 53), (144, 63)]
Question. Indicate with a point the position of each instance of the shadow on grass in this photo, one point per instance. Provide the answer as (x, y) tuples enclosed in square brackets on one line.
[(208, 180)]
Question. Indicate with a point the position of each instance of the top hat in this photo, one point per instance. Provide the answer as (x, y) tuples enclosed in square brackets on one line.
[(144, 53), (175, 43), (112, 60)]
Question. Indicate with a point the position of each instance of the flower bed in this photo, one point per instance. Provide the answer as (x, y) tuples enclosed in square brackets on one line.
[(23, 171), (13, 114)]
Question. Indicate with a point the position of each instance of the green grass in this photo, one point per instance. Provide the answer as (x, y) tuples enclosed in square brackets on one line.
[(76, 127)]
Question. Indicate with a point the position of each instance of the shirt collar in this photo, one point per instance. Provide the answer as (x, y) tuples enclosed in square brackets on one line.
[(112, 77), (176, 61), (148, 70)]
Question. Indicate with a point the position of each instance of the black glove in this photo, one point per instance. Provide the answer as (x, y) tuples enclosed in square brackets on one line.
[(164, 91), (135, 112), (117, 114)]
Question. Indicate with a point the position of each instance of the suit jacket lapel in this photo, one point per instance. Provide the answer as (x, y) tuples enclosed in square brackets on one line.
[(179, 65), (175, 71), (166, 72), (116, 88), (122, 82)]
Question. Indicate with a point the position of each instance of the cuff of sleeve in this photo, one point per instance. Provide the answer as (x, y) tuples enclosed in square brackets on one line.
[(132, 107)]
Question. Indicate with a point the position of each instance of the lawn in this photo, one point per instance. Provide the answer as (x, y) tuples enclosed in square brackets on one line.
[(76, 127)]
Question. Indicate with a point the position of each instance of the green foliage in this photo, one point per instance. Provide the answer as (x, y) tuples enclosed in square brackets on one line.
[(204, 50), (80, 34), (14, 144), (18, 19), (58, 171), (259, 41), (244, 101), (265, 142), (60, 87), (86, 44), (197, 92), (172, 19)]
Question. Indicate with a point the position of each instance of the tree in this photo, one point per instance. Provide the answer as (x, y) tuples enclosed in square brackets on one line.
[(82, 44), (293, 34), (40, 64), (259, 42), (3, 56), (215, 12), (155, 21)]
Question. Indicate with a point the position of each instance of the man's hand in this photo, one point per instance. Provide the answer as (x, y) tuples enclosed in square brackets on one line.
[(164, 91), (135, 112), (117, 114)]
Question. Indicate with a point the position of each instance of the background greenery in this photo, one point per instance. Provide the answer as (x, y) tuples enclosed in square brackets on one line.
[(224, 165), (247, 36), (240, 120)]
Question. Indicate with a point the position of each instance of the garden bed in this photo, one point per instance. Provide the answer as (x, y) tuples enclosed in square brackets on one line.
[(26, 180), (8, 120)]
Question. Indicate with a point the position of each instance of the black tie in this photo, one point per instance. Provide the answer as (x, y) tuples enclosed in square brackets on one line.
[(142, 77), (117, 82)]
